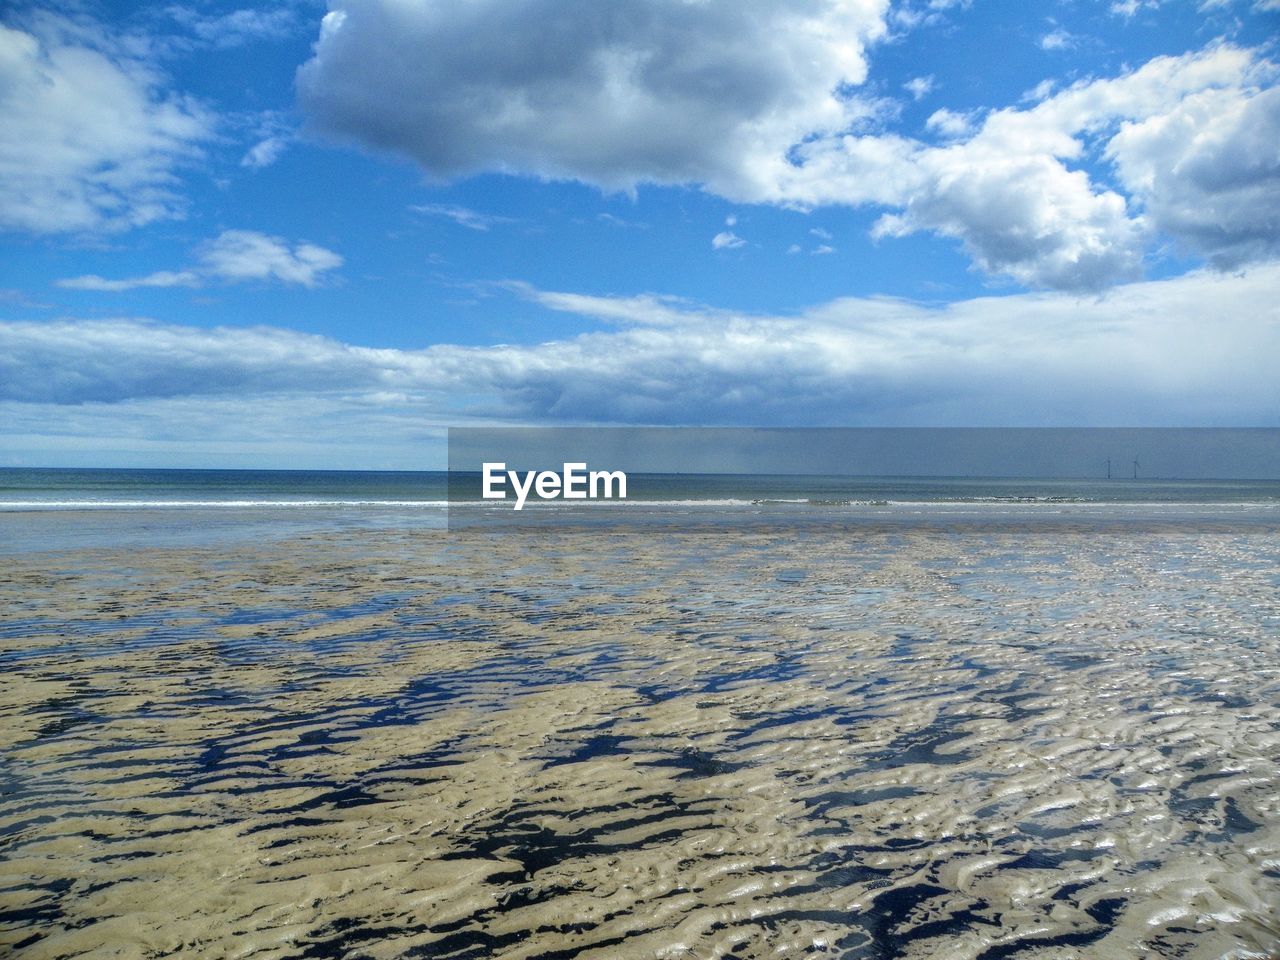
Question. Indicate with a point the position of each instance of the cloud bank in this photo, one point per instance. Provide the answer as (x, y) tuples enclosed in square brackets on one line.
[(1190, 351)]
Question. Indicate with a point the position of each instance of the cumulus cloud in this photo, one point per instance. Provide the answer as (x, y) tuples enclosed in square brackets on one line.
[(754, 104), (1208, 173), (950, 124), (90, 137), (1028, 217), (249, 255), (1143, 355), (233, 256), (919, 87), (615, 94), (727, 239), (1058, 39), (1008, 190)]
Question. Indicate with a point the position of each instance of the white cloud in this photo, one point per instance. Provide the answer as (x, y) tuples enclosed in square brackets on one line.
[(1208, 173), (950, 124), (911, 14), (615, 94), (463, 216), (755, 108), (89, 136), (919, 87), (646, 309), (236, 27), (822, 249), (727, 239), (233, 256), (1029, 218), (1127, 8), (1009, 192), (249, 255), (1058, 39), (274, 133), (162, 278), (264, 153), (119, 360), (1143, 355)]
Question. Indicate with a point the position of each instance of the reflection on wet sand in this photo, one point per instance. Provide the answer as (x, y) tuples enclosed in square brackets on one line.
[(586, 744)]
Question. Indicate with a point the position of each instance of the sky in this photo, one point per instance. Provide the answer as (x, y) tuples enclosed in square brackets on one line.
[(309, 235)]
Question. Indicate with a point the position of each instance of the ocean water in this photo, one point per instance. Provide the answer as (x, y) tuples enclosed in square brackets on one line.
[(52, 509), (24, 489), (27, 489)]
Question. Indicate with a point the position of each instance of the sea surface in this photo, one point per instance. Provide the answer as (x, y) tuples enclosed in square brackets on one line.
[(25, 489), (118, 507)]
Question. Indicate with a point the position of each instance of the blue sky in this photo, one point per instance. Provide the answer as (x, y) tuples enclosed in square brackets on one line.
[(299, 235)]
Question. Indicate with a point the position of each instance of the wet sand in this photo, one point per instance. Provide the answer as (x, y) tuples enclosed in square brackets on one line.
[(594, 744)]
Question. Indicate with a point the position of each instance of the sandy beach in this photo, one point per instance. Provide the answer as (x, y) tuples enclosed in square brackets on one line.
[(582, 743)]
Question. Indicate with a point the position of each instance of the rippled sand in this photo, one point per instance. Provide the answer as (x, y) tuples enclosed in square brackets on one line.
[(588, 744)]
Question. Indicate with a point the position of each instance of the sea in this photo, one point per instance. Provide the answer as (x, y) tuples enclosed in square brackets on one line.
[(27, 489), (72, 508), (113, 507)]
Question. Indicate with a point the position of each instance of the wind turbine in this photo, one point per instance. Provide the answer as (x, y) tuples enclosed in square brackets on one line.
[(1108, 468), (1135, 468)]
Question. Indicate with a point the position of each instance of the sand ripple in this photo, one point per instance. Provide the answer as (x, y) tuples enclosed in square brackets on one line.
[(567, 744)]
